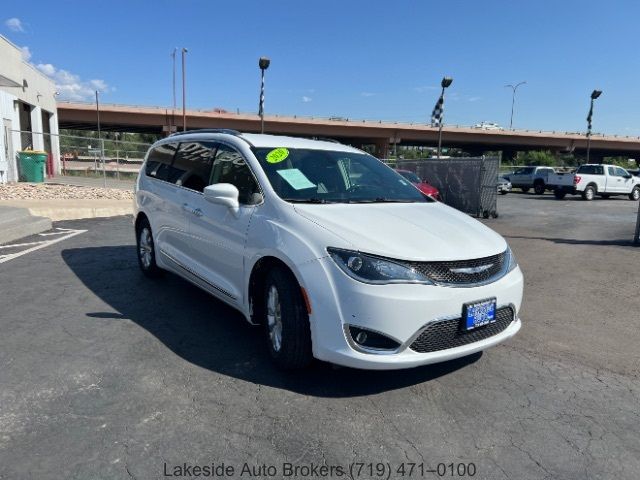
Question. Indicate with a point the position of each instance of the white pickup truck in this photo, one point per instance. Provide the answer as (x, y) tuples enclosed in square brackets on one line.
[(594, 179), (525, 178)]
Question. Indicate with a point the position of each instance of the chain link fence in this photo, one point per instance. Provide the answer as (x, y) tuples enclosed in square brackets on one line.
[(109, 159), (467, 184)]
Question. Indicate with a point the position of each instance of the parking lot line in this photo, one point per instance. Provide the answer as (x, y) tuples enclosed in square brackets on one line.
[(67, 233)]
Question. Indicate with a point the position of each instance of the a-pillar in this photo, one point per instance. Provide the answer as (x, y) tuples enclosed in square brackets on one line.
[(382, 148)]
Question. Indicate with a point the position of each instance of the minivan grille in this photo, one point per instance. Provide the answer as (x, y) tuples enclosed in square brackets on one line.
[(461, 272), (447, 333)]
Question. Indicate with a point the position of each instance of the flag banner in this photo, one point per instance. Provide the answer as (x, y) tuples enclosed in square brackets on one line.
[(438, 110)]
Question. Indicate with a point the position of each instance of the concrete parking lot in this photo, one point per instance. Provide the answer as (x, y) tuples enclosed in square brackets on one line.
[(106, 374)]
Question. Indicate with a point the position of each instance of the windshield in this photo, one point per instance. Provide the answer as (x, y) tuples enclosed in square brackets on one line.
[(320, 176), (524, 171)]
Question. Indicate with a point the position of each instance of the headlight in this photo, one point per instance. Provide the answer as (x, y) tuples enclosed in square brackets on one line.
[(370, 269), (511, 259)]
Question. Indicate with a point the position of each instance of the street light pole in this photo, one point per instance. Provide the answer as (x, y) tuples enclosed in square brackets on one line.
[(104, 172), (263, 63), (513, 100), (173, 110), (595, 94), (446, 81), (184, 92)]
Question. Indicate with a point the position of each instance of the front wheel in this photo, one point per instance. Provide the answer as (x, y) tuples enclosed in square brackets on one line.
[(539, 188), (635, 194), (286, 321), (589, 193)]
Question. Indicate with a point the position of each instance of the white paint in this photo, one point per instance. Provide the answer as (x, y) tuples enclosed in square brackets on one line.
[(69, 234)]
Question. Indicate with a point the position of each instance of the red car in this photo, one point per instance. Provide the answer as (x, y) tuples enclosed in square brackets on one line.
[(423, 186)]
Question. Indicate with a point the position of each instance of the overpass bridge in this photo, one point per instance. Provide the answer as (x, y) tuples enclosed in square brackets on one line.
[(383, 135)]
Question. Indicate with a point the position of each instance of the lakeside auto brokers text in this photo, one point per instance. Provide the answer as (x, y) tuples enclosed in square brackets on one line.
[(355, 470)]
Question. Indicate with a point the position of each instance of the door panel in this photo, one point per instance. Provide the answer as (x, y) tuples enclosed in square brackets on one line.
[(218, 234)]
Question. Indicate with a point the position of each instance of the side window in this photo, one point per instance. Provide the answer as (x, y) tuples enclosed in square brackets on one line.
[(612, 171), (159, 160), (621, 172), (230, 166), (192, 165)]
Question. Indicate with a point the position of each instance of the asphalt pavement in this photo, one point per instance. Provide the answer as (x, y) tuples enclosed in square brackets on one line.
[(107, 374)]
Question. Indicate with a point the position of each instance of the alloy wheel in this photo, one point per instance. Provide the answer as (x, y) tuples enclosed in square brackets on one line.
[(274, 318)]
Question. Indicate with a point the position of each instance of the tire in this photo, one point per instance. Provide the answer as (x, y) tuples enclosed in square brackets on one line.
[(539, 188), (503, 192), (589, 193), (635, 194), (285, 321), (559, 194), (146, 250), (524, 189)]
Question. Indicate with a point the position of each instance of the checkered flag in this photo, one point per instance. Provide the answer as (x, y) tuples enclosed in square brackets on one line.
[(438, 110), (589, 117), (261, 103)]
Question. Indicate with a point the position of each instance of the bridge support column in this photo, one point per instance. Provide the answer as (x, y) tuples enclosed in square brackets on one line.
[(382, 148)]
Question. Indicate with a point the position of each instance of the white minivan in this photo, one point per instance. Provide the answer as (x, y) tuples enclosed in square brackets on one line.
[(336, 255)]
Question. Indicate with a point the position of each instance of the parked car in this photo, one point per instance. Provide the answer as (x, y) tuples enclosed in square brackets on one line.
[(526, 178), (590, 180), (423, 186), (333, 253), (504, 186)]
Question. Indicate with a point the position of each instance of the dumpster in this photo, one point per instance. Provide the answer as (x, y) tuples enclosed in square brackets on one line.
[(32, 164)]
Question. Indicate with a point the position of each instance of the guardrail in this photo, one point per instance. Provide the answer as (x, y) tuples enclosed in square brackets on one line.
[(356, 120)]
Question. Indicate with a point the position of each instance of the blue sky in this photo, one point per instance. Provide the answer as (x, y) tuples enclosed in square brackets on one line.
[(356, 59)]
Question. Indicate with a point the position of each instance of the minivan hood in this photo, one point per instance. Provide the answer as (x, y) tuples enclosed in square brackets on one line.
[(406, 231)]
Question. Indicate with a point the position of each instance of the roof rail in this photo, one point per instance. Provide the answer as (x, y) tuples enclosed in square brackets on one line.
[(209, 130)]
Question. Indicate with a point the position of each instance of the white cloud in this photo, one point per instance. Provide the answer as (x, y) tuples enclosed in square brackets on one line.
[(14, 24), (71, 86), (367, 94), (26, 53), (425, 88), (306, 99)]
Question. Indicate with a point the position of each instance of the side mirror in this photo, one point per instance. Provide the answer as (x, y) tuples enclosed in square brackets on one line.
[(223, 194), (628, 176)]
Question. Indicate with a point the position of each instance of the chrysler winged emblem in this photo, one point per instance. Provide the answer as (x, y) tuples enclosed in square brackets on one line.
[(471, 270)]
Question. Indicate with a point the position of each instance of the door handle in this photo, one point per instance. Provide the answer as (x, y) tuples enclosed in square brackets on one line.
[(194, 211)]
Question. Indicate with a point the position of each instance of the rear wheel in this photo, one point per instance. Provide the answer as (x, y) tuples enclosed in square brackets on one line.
[(146, 250), (589, 193), (635, 194), (524, 189), (286, 321), (559, 194), (539, 188)]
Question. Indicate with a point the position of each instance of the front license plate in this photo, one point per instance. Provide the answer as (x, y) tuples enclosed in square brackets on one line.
[(479, 313)]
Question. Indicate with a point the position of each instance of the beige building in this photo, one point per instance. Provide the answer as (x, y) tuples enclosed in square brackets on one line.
[(28, 114)]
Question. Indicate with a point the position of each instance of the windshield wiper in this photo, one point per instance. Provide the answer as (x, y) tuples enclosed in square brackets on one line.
[(307, 200), (384, 200)]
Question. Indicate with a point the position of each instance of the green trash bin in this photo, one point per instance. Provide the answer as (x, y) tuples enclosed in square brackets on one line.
[(32, 164)]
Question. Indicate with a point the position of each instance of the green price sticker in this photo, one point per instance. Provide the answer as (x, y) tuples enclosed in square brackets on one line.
[(277, 155)]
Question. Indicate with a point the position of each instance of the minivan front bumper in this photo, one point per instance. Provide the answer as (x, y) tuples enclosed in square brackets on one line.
[(398, 311)]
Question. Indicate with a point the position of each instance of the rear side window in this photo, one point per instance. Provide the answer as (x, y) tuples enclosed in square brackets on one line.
[(192, 165), (159, 160), (591, 170)]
